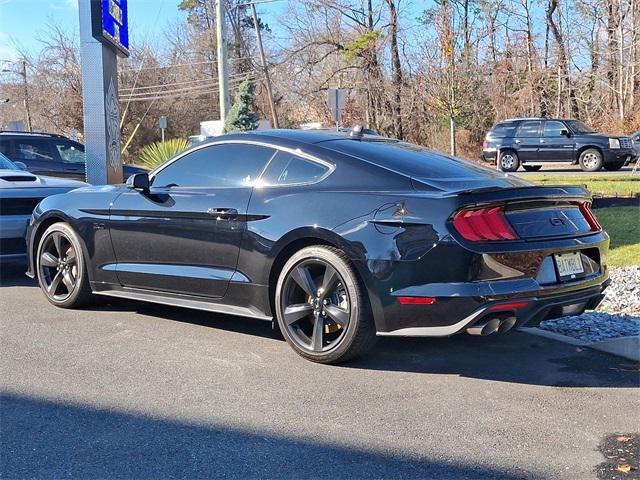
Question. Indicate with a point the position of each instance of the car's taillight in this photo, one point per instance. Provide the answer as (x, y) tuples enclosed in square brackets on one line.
[(588, 215), (483, 225)]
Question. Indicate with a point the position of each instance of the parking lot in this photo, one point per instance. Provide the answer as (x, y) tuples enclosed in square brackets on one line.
[(125, 389)]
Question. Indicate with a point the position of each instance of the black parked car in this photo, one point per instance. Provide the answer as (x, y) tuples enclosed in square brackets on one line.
[(340, 238), (532, 141), (50, 154)]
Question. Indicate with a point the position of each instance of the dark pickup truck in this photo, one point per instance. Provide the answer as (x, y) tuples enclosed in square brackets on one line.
[(531, 142)]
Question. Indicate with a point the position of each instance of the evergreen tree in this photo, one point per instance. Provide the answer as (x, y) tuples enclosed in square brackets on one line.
[(242, 116)]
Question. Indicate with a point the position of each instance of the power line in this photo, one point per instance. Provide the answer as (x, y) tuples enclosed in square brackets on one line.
[(235, 59), (178, 93), (208, 80), (184, 89)]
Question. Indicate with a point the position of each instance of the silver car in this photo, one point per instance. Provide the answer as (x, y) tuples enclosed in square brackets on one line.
[(20, 192)]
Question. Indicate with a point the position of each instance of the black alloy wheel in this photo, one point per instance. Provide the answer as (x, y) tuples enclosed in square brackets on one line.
[(321, 310), (60, 267)]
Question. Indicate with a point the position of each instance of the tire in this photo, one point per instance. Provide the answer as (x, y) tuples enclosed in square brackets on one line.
[(613, 166), (508, 161), (591, 160), (532, 168), (322, 308), (60, 262)]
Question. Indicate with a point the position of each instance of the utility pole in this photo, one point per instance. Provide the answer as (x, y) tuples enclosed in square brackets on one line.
[(26, 94), (223, 73), (267, 79)]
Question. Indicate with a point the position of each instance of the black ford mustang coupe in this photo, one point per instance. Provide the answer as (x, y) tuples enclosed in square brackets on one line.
[(339, 237)]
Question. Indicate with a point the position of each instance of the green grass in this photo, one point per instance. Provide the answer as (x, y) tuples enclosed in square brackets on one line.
[(623, 226), (607, 185)]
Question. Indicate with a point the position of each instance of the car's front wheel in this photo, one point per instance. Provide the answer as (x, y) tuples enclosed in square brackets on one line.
[(508, 161), (322, 308), (61, 268), (591, 160)]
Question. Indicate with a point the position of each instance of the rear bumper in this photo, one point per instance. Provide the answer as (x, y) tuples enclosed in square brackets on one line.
[(529, 310)]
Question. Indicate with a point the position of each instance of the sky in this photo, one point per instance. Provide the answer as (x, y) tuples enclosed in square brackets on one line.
[(23, 21)]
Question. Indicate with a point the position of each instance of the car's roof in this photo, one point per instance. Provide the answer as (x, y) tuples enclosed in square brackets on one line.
[(311, 136), (534, 118), (16, 133)]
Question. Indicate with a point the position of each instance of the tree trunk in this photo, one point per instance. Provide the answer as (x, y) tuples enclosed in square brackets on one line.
[(396, 68)]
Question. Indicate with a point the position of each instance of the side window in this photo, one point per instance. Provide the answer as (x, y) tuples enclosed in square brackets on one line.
[(32, 150), (505, 129), (70, 152), (5, 146), (529, 129), (554, 129), (229, 164), (288, 169)]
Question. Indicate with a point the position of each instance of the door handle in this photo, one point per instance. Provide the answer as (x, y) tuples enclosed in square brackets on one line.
[(223, 213), (541, 140), (517, 141)]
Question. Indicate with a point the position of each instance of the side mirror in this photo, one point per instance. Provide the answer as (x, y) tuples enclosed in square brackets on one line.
[(20, 165), (565, 133), (139, 181)]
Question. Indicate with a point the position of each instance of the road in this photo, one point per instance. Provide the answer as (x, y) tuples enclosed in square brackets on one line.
[(566, 169), (125, 389)]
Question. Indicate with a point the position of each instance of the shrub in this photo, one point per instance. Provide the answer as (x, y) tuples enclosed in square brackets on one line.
[(242, 117), (156, 153)]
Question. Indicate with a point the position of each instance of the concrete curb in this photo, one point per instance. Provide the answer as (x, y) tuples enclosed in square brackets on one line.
[(625, 347), (554, 336)]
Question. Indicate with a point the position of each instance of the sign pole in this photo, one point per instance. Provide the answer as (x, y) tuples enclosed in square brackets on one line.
[(101, 34)]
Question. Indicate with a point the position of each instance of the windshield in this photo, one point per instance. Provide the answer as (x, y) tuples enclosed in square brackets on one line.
[(578, 127), (6, 164)]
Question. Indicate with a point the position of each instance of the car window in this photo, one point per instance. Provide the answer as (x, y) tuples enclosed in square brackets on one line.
[(5, 146), (26, 149), (554, 129), (529, 129), (229, 164), (287, 168), (504, 129), (6, 164), (70, 152), (579, 128)]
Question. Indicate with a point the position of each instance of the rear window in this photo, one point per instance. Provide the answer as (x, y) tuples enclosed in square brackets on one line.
[(410, 159), (504, 129)]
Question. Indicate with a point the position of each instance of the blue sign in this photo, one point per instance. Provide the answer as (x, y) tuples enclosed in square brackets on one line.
[(110, 20)]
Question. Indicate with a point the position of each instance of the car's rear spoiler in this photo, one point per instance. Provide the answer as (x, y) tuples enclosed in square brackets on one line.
[(560, 192)]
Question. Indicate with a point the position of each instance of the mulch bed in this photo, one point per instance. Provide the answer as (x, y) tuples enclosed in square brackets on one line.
[(622, 453)]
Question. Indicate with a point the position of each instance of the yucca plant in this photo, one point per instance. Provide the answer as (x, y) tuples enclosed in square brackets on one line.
[(156, 153)]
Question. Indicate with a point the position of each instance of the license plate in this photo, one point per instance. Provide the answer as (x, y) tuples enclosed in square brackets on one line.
[(569, 264)]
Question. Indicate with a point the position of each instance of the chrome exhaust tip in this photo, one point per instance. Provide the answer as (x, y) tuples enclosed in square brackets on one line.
[(506, 324), (484, 328)]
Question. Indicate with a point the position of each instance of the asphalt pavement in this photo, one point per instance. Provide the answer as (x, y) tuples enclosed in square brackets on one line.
[(562, 169), (131, 390)]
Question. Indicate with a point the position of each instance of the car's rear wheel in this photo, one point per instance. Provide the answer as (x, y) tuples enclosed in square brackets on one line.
[(613, 166), (322, 308), (508, 161), (61, 268), (532, 168), (591, 160)]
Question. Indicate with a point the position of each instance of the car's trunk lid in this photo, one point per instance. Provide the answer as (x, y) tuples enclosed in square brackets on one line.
[(536, 212)]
